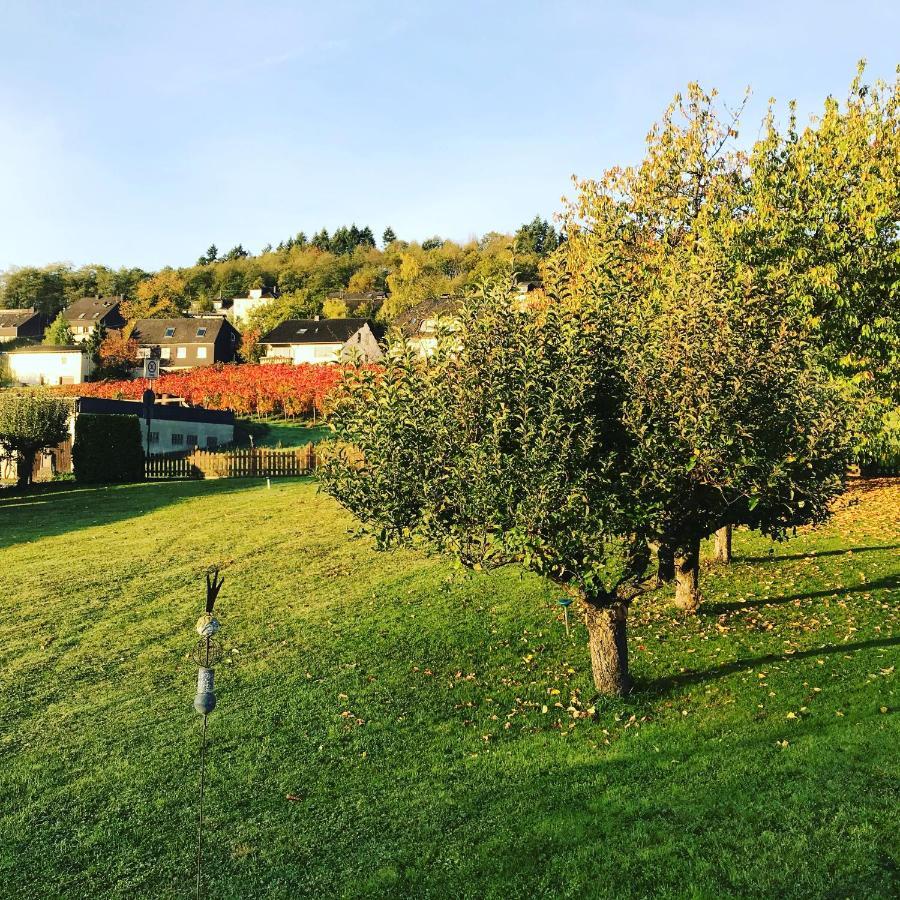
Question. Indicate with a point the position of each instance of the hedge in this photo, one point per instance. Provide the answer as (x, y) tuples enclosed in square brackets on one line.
[(107, 449)]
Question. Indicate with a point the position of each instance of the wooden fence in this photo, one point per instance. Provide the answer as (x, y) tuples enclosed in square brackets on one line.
[(260, 462)]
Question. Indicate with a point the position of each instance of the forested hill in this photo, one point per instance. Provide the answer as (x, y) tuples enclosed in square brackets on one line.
[(302, 271)]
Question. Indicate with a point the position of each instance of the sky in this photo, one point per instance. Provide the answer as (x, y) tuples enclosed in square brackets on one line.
[(140, 133)]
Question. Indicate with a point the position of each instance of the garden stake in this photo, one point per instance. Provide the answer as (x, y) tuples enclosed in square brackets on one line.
[(565, 603), (207, 653)]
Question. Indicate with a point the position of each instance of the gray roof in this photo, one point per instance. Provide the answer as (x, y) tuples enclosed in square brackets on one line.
[(93, 309), (16, 318), (198, 330), (319, 331), (165, 411), (50, 348)]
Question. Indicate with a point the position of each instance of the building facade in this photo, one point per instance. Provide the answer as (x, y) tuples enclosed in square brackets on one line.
[(323, 341), (47, 364), (187, 343), (174, 427), (20, 323), (86, 314)]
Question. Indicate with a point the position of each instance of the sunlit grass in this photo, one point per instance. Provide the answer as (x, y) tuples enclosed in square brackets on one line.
[(390, 727)]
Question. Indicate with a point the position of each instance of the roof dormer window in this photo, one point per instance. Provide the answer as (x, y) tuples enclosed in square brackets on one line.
[(170, 332), (201, 332)]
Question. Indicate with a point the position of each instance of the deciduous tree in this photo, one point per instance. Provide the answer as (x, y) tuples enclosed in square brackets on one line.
[(31, 421), (59, 333), (505, 446)]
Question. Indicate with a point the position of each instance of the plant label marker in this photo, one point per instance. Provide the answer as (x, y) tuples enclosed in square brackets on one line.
[(565, 603)]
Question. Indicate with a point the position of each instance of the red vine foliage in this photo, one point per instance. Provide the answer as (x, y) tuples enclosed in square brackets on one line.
[(244, 389)]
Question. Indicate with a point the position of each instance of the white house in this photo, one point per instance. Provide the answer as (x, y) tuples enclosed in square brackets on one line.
[(49, 364), (239, 308), (322, 341)]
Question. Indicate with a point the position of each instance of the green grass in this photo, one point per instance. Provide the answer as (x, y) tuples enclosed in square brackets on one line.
[(381, 728), (287, 433)]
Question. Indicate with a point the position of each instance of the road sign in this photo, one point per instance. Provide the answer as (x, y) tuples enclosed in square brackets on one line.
[(151, 368)]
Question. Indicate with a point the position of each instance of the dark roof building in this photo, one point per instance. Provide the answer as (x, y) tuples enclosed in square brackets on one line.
[(188, 342), (323, 340), (86, 314), (422, 318), (20, 323)]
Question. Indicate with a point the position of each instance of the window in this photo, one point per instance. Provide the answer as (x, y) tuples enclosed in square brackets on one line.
[(154, 437), (177, 440), (182, 352), (211, 442), (201, 332), (192, 440), (81, 316), (165, 352), (170, 332), (201, 353)]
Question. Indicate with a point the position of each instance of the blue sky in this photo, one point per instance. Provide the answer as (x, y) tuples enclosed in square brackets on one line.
[(139, 133)]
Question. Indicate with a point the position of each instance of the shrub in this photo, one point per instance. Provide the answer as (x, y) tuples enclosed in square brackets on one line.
[(107, 449)]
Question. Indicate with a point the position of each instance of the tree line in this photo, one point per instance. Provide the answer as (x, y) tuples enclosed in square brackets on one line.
[(303, 272)]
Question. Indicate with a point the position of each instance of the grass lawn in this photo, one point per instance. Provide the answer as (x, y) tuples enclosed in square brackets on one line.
[(291, 433), (389, 727)]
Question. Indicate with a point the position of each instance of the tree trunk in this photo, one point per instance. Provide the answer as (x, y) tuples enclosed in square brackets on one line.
[(608, 644), (722, 552), (24, 467), (687, 578), (665, 560)]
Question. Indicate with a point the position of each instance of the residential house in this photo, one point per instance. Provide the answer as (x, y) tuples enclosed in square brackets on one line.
[(322, 341), (186, 343), (239, 308), (86, 314), (49, 364), (20, 323), (420, 323), (174, 427)]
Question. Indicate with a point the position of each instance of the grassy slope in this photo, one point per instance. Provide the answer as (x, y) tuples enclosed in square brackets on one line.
[(288, 433), (403, 712)]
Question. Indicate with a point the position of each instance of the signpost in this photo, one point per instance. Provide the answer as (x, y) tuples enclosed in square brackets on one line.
[(149, 399)]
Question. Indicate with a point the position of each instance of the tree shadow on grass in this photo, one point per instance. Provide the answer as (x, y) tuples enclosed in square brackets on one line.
[(52, 510), (888, 583), (698, 676), (813, 554)]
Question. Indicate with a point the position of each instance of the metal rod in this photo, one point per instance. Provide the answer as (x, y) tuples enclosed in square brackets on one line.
[(200, 814)]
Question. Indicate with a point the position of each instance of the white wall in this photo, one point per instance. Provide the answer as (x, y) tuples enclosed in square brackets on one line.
[(164, 429), (241, 307), (362, 344), (60, 367), (306, 353)]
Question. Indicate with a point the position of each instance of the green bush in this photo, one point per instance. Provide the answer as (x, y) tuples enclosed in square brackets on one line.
[(107, 449)]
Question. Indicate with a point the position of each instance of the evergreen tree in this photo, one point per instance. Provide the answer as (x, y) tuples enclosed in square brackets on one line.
[(388, 237)]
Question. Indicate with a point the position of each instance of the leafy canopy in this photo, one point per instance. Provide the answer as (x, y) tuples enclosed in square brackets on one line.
[(504, 446)]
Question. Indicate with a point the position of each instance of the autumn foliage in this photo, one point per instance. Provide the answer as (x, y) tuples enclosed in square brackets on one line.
[(244, 389)]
